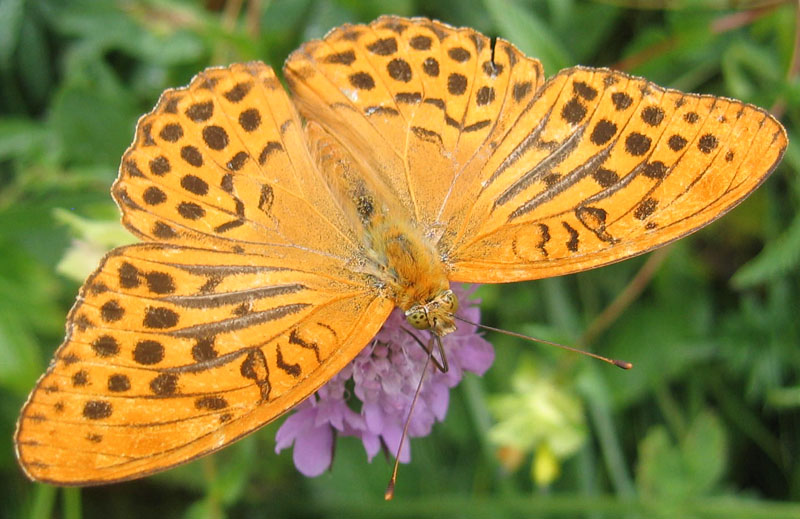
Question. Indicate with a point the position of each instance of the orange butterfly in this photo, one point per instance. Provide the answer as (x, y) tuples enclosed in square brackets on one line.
[(277, 246)]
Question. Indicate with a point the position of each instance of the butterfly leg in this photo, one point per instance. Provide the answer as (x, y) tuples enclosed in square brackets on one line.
[(440, 365)]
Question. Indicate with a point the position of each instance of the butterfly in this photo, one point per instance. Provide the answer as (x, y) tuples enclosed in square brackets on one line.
[(279, 232)]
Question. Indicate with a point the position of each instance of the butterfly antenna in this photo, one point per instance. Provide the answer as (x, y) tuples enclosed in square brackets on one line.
[(618, 363), (389, 494)]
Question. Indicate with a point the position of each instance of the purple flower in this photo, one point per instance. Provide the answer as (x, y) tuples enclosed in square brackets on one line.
[(384, 379)]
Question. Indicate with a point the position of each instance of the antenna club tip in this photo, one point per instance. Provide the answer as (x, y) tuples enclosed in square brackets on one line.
[(389, 494), (623, 364)]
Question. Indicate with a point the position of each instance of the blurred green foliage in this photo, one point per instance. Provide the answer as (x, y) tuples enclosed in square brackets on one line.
[(706, 425)]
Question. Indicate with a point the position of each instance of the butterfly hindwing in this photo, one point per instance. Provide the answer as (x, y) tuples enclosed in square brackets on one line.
[(223, 164), (605, 166), (174, 352)]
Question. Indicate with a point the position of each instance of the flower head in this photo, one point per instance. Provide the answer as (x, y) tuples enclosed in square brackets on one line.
[(538, 416), (371, 397)]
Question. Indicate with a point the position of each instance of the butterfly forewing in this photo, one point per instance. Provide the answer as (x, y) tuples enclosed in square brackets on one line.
[(414, 100), (174, 352), (605, 166)]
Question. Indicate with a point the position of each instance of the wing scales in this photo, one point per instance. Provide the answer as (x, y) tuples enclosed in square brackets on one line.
[(615, 167), (174, 352)]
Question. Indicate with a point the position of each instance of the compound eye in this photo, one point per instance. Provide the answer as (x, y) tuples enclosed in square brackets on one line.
[(450, 301), (418, 317)]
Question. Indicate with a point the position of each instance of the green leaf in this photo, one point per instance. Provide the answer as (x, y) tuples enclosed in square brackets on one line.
[(596, 21), (92, 126), (21, 138), (12, 13), (370, 9), (28, 312), (34, 67), (751, 72), (19, 350), (528, 31), (689, 469), (778, 258)]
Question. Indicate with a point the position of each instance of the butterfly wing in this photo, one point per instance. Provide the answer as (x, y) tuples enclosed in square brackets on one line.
[(603, 166), (174, 352), (223, 164), (413, 101), (515, 180), (247, 305)]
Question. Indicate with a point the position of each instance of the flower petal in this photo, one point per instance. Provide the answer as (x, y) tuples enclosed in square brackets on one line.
[(373, 417), (294, 426), (477, 355), (372, 444), (313, 451), (384, 378), (391, 437), (438, 401)]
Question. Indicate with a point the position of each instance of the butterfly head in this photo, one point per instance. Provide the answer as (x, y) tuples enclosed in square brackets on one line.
[(436, 315)]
